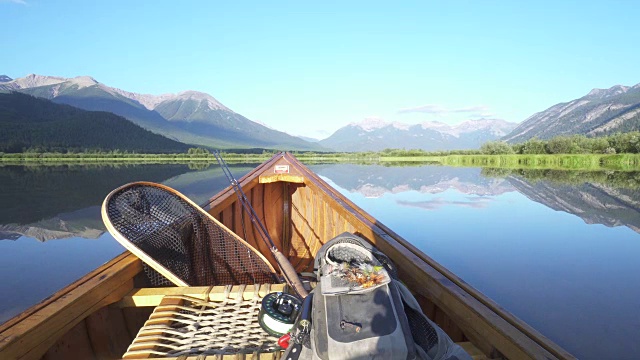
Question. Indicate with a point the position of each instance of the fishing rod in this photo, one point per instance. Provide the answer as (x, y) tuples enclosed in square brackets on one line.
[(289, 273)]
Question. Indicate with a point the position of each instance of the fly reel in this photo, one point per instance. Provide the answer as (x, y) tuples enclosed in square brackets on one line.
[(278, 313)]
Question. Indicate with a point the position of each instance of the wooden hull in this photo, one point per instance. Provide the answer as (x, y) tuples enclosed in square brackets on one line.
[(98, 316)]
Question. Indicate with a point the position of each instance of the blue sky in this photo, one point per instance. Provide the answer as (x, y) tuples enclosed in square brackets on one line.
[(309, 68)]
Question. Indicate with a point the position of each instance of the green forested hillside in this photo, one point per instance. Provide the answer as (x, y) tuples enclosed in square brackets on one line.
[(29, 123)]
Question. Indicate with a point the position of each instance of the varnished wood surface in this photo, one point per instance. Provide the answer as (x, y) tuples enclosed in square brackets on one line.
[(319, 213), (153, 296)]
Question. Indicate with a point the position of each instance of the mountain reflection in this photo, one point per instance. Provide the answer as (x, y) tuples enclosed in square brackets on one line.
[(610, 198), (376, 180), (61, 201)]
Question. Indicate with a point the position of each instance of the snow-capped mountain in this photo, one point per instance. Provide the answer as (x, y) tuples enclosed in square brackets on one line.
[(376, 135)]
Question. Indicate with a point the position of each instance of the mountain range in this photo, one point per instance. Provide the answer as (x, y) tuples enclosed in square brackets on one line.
[(197, 118), (376, 135), (600, 112), (190, 117)]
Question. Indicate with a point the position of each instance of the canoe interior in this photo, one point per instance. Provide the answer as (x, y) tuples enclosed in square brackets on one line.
[(99, 316)]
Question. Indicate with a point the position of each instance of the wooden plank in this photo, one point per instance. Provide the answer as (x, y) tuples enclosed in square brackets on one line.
[(75, 344), (448, 325), (31, 337), (285, 240), (306, 236), (263, 356), (108, 332), (303, 251), (135, 318), (153, 296), (472, 350), (226, 217), (255, 197), (273, 206), (259, 196), (37, 351), (143, 346), (428, 307), (242, 225), (267, 179)]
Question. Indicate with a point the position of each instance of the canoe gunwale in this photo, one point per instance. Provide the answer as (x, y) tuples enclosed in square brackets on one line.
[(30, 334), (60, 293)]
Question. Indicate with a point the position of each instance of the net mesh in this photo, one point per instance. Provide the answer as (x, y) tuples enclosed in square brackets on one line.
[(183, 239)]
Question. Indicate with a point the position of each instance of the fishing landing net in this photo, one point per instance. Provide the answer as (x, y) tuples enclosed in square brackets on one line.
[(169, 232)]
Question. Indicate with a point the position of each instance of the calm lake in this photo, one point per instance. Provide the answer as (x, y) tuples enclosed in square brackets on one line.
[(559, 249)]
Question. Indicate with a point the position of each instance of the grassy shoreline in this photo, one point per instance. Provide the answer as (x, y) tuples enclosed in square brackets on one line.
[(554, 161)]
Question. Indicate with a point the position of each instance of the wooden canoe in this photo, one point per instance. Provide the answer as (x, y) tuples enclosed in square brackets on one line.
[(98, 316)]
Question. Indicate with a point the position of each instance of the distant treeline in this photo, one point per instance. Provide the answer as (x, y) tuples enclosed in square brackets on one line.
[(30, 124), (619, 143), (201, 154)]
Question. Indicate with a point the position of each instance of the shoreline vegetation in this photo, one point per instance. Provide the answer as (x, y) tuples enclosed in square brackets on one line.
[(388, 158), (620, 151)]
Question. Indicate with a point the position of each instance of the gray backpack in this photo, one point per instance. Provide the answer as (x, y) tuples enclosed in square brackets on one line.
[(359, 310)]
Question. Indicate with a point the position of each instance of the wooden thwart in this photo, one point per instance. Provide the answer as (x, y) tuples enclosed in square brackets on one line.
[(153, 296)]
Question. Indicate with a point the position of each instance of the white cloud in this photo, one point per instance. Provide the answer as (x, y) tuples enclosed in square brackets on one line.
[(471, 109), (436, 203), (21, 2), (441, 110), (429, 109), (478, 111)]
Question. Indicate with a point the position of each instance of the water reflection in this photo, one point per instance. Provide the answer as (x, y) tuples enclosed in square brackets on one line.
[(533, 240), (43, 203), (376, 180), (62, 201), (611, 198)]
